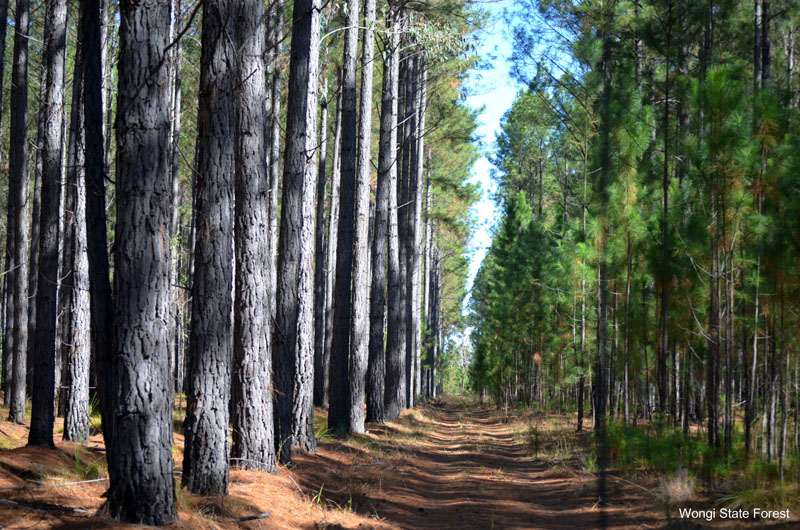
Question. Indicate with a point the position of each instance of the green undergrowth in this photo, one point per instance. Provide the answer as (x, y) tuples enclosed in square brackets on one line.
[(736, 482), (88, 468)]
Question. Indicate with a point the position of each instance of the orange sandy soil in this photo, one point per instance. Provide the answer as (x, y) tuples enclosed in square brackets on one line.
[(450, 464)]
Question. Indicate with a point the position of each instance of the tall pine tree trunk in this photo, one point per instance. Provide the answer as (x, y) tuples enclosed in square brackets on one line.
[(7, 296), (359, 333), (142, 488), (253, 421), (18, 191), (34, 236), (52, 111), (320, 314), (408, 89), (205, 461), (274, 66), (330, 251), (663, 329), (394, 396), (339, 413), (175, 342), (76, 420), (602, 187), (74, 292), (376, 369), (415, 221), (101, 307), (8, 302), (293, 341)]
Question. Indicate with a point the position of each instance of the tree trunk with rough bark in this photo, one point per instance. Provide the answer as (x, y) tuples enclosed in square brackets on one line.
[(293, 341), (7, 298), (34, 237), (253, 443), (142, 487), (394, 396), (205, 461), (74, 293), (52, 149), (18, 192), (410, 162), (175, 134), (319, 253), (602, 188), (406, 125), (274, 57), (330, 251), (76, 419), (339, 399), (101, 306), (359, 332), (415, 231), (376, 367), (8, 303)]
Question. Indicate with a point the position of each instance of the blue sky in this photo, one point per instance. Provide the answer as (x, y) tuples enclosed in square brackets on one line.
[(493, 90)]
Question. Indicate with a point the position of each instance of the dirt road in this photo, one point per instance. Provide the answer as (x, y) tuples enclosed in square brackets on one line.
[(458, 464)]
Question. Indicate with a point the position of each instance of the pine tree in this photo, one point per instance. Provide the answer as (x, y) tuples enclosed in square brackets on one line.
[(253, 421), (52, 117), (142, 487), (205, 461), (293, 353)]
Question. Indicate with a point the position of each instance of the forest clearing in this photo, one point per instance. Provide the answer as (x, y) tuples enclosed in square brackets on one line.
[(451, 463)]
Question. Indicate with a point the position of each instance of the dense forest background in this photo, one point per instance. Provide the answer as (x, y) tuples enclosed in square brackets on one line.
[(645, 267)]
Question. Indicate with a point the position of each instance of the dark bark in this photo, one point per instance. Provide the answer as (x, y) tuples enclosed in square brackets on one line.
[(359, 333), (76, 148), (603, 185), (142, 487), (8, 303), (253, 443), (712, 392), (427, 300), (415, 228), (293, 350), (376, 367), (175, 342), (108, 46), (663, 330), (274, 65), (52, 111), (320, 314), (330, 259), (102, 311), (76, 346), (436, 321), (406, 125), (74, 291), (426, 251), (7, 281), (339, 399), (410, 162), (394, 397), (205, 461), (18, 191), (34, 237), (9, 233)]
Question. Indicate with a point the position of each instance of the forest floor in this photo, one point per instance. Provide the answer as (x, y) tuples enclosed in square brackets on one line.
[(452, 463)]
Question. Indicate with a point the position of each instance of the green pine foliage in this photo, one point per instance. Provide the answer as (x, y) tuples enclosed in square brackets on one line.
[(627, 106)]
